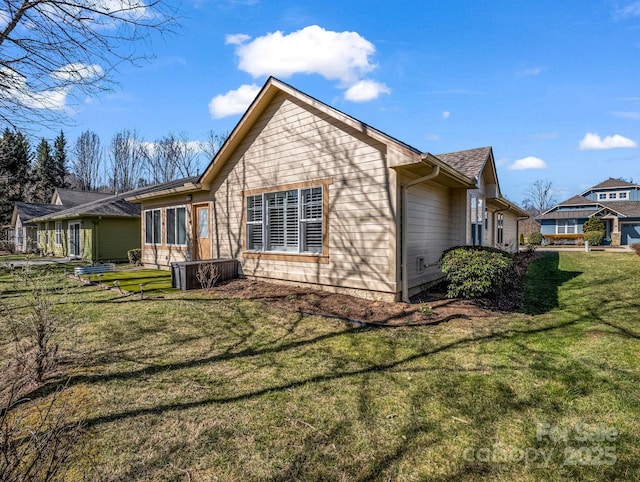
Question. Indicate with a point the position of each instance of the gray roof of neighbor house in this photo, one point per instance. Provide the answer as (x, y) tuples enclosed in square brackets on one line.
[(469, 162), (71, 198), (28, 211), (611, 183), (629, 209), (114, 205), (578, 201)]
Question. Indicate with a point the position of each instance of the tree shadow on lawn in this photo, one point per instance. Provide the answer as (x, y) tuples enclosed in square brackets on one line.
[(543, 281)]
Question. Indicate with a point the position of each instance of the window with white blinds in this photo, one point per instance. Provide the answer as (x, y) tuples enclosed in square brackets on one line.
[(285, 221)]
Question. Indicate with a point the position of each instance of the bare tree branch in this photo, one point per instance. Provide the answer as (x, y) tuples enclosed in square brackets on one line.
[(53, 50)]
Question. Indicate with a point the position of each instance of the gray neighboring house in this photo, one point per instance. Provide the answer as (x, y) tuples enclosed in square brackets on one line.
[(23, 236)]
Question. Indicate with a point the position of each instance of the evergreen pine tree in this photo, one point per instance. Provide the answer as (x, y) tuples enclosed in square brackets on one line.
[(15, 160), (44, 174), (60, 160)]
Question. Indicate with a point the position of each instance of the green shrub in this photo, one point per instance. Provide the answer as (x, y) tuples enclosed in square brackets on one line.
[(536, 238), (477, 271), (594, 237), (521, 239), (135, 256), (593, 224)]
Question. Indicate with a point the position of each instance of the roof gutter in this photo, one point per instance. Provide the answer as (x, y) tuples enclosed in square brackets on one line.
[(186, 188), (403, 225)]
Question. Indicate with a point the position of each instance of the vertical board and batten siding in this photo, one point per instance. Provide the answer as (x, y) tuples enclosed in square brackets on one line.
[(293, 142), (115, 237)]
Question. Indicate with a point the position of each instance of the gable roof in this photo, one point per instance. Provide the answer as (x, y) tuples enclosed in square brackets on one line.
[(70, 197), (629, 209), (612, 183), (116, 205), (457, 169), (577, 200), (28, 211), (469, 162)]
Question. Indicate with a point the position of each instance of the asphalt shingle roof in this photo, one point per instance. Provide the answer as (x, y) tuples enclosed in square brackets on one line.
[(469, 162), (28, 211), (578, 201), (612, 183), (114, 205), (71, 198), (630, 209)]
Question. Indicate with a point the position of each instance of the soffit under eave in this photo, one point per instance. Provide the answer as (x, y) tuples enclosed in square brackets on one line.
[(445, 177)]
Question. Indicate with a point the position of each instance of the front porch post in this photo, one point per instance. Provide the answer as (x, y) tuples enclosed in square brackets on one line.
[(615, 233)]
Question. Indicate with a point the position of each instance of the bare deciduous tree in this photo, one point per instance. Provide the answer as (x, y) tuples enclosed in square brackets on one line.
[(213, 143), (170, 157), (539, 197), (53, 49), (87, 161), (127, 161)]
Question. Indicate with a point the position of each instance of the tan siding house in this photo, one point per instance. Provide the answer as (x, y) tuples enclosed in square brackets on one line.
[(302, 193)]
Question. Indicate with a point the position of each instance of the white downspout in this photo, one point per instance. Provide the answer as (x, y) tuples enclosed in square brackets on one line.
[(403, 229)]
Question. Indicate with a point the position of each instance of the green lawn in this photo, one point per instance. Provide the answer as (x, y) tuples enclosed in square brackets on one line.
[(153, 280), (190, 387)]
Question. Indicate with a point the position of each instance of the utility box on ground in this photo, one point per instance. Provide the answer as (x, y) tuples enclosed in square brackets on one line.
[(184, 274)]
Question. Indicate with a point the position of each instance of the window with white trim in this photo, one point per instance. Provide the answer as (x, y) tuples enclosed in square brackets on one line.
[(58, 233), (500, 228), (177, 226), (285, 221), (153, 226), (613, 196), (566, 226)]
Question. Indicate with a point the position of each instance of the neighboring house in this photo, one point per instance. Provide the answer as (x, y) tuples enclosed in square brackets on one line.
[(303, 193), (102, 230), (615, 202), (23, 235)]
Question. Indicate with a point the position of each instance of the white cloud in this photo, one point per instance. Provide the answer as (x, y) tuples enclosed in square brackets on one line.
[(343, 56), (77, 72), (236, 39), (531, 72), (445, 115), (631, 9), (233, 102), (627, 115), (366, 90), (528, 163), (594, 141), (16, 89)]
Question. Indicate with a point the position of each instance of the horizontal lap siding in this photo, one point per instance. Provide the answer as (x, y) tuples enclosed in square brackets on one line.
[(510, 231), (292, 143), (429, 229)]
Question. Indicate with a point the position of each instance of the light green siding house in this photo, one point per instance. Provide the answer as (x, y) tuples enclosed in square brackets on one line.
[(102, 230)]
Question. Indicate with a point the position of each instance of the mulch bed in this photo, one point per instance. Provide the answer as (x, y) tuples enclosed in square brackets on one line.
[(349, 308), (430, 308)]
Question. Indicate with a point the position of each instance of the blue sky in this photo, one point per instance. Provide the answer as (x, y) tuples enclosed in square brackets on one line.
[(552, 86)]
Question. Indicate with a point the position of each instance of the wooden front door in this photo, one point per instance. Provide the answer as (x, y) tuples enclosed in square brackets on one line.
[(202, 248)]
